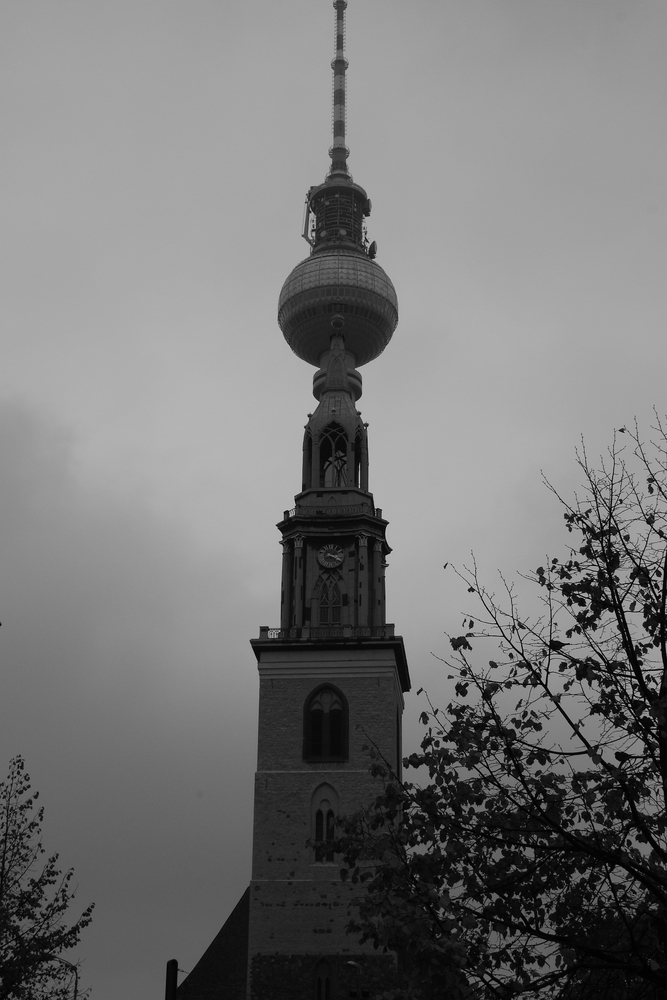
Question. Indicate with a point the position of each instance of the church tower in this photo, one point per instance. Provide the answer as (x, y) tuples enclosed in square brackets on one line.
[(332, 674)]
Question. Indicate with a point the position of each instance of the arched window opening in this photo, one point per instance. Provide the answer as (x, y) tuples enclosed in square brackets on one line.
[(330, 602), (333, 457), (324, 831), (325, 727), (357, 460), (307, 462), (324, 809), (322, 981), (326, 714)]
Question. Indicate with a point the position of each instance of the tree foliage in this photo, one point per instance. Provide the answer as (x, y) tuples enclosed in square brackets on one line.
[(530, 858), (34, 898)]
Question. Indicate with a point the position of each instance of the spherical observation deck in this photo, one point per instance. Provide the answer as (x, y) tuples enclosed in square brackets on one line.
[(338, 280)]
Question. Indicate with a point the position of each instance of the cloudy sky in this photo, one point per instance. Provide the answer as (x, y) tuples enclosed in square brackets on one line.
[(154, 162)]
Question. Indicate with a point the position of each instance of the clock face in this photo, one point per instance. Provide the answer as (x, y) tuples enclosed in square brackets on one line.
[(330, 556)]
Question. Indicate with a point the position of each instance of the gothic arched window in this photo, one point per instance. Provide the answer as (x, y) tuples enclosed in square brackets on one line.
[(358, 447), (330, 602), (333, 457), (323, 822), (324, 832), (325, 726), (322, 981), (307, 461)]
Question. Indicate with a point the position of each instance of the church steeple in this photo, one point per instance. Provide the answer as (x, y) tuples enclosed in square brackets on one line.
[(337, 310), (335, 453)]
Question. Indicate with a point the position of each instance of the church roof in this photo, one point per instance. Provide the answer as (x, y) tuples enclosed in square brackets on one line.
[(221, 972)]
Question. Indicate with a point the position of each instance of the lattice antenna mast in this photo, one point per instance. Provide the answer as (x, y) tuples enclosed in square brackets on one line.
[(339, 151)]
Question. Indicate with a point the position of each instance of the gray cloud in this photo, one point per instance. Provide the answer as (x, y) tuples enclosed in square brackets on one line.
[(123, 681)]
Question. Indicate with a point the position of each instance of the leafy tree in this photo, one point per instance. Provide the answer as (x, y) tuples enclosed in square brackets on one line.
[(34, 897), (530, 857)]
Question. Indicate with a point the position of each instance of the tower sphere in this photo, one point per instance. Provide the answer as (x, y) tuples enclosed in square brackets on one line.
[(334, 280), (340, 278)]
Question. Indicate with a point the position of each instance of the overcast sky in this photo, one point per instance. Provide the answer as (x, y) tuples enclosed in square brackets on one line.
[(155, 157)]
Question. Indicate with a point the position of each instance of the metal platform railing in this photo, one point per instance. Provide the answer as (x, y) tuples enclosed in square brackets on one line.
[(328, 632), (333, 510)]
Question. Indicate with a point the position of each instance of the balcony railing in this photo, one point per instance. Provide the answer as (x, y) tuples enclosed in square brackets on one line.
[(328, 632), (331, 510)]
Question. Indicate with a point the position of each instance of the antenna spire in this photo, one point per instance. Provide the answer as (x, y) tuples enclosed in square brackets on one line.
[(339, 151)]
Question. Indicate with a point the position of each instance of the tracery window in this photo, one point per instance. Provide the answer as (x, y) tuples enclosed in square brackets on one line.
[(324, 831), (330, 602), (324, 809), (333, 457), (322, 981), (325, 726)]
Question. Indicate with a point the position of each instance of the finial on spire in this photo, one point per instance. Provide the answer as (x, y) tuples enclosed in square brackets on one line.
[(339, 151)]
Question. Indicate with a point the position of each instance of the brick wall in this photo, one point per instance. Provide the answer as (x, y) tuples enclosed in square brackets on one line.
[(292, 977), (298, 907)]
